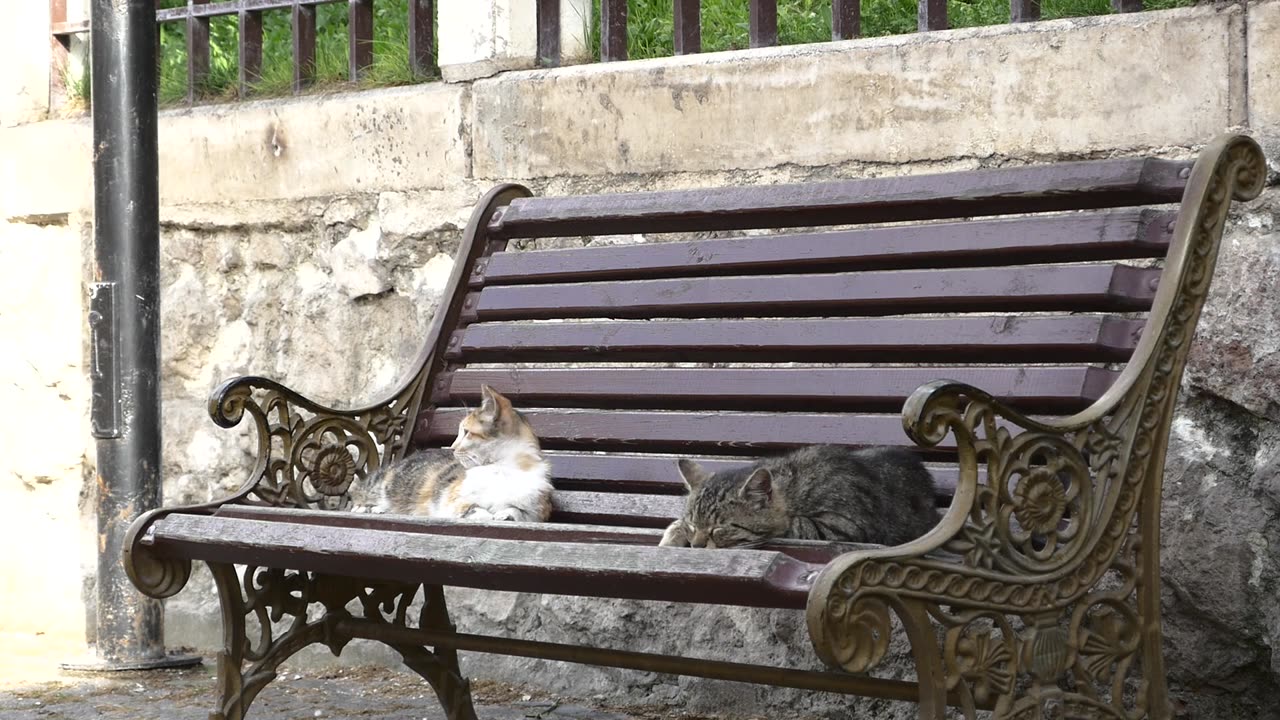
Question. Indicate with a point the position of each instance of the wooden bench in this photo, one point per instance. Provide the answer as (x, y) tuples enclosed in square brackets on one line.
[(1068, 292)]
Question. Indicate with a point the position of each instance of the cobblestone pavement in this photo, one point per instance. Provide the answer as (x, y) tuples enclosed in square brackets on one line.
[(340, 693)]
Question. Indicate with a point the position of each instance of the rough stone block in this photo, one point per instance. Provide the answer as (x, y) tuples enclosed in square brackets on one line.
[(1007, 91)]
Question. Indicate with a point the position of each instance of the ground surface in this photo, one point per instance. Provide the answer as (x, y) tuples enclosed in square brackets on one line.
[(345, 693)]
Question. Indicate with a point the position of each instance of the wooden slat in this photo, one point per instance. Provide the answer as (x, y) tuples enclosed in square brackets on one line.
[(756, 578), (548, 33), (846, 19), (613, 30), (710, 432), (981, 339), (422, 36), (1064, 186), (762, 23), (1077, 237), (931, 15), (812, 551), (630, 510), (197, 53), (1076, 288), (250, 40), (687, 27), (1034, 389), (304, 46), (359, 38), (657, 474), (1021, 11)]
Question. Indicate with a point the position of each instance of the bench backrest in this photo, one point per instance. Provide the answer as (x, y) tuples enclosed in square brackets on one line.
[(761, 318)]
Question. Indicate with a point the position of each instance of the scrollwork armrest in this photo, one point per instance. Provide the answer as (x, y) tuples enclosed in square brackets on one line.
[(1021, 520)]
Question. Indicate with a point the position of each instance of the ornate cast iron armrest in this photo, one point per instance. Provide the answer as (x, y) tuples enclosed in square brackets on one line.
[(307, 456), (850, 601)]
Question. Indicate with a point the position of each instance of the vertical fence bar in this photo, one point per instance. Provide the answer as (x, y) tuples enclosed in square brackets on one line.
[(549, 33), (613, 30), (304, 45), (932, 15), (1021, 11), (688, 26), (421, 37), (359, 38), (846, 19), (250, 39), (763, 24), (1126, 6), (197, 50)]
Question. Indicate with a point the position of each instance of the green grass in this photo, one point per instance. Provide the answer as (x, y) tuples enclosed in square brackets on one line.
[(649, 34)]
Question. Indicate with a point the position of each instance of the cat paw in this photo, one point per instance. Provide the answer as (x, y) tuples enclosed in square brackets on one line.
[(477, 513), (507, 516), (675, 536)]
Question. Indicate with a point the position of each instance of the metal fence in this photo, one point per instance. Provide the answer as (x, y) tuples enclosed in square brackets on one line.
[(197, 14)]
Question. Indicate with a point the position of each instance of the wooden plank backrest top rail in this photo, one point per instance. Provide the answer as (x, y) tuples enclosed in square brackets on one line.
[(983, 339), (1076, 288), (1062, 186), (1062, 388), (1088, 236)]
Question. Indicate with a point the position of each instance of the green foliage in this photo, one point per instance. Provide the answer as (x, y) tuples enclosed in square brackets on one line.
[(390, 52)]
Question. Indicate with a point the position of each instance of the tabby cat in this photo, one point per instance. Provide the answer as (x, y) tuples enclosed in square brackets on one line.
[(821, 492), (494, 470)]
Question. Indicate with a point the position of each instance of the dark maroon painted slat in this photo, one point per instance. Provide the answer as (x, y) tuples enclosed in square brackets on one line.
[(989, 339), (1042, 188), (359, 38), (613, 30), (197, 54), (250, 40), (1037, 388), (762, 23), (758, 578), (422, 36), (549, 33), (714, 432), (1021, 11), (687, 27), (630, 510), (846, 19), (1076, 288), (304, 46), (1077, 237), (637, 473), (812, 551)]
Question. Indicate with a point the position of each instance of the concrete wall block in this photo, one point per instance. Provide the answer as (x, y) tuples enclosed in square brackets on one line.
[(1016, 91)]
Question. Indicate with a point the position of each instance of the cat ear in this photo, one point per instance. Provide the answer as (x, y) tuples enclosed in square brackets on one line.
[(694, 475), (758, 487), (490, 401)]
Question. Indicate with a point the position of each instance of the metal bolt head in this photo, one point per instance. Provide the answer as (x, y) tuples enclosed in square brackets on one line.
[(1184, 173)]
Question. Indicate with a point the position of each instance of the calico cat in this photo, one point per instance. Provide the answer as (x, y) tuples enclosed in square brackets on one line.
[(494, 470), (821, 492)]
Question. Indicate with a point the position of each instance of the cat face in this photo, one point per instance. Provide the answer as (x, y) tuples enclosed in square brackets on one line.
[(731, 508), (492, 431)]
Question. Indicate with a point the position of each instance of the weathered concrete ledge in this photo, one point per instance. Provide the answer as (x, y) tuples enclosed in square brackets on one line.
[(412, 138), (1154, 79)]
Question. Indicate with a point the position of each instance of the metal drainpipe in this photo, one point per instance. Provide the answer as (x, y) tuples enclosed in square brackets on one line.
[(124, 324)]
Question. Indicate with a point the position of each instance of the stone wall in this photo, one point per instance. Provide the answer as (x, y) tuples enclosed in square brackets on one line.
[(309, 240)]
